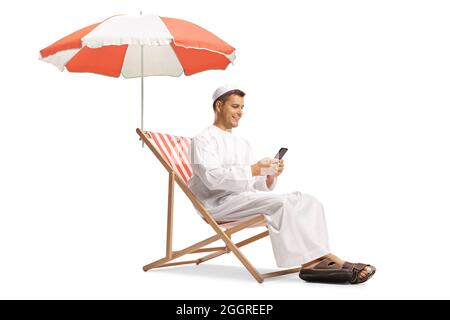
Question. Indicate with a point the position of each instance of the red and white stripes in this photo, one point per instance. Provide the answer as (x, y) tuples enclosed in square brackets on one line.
[(175, 151), (169, 47)]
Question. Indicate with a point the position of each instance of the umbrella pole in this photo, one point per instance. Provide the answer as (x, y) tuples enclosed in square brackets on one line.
[(142, 90)]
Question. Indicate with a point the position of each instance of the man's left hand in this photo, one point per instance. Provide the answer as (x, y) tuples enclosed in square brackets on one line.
[(271, 178), (280, 168)]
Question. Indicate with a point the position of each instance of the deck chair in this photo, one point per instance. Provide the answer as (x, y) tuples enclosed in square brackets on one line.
[(171, 151)]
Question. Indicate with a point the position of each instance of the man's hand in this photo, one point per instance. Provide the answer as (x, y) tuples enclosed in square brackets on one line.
[(265, 167), (280, 168), (270, 179)]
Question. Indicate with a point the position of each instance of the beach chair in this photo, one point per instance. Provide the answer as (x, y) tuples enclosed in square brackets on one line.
[(171, 151)]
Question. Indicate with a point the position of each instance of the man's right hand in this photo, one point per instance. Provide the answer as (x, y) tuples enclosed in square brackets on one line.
[(265, 167)]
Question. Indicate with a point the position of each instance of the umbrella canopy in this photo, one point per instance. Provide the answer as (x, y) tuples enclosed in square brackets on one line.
[(140, 45)]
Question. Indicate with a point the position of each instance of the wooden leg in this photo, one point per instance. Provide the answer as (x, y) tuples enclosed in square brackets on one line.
[(240, 256), (170, 216), (176, 263), (239, 244), (177, 254), (280, 273)]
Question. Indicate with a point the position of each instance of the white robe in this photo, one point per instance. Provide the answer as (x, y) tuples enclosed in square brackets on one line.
[(222, 180)]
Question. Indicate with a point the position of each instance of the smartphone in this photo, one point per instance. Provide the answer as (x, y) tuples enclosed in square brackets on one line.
[(281, 153)]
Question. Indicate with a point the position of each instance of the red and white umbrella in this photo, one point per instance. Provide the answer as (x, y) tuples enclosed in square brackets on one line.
[(139, 46)]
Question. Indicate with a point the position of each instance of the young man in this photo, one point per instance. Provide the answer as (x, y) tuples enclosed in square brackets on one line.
[(231, 186)]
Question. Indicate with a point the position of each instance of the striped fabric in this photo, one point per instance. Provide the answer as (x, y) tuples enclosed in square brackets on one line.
[(117, 46), (174, 150)]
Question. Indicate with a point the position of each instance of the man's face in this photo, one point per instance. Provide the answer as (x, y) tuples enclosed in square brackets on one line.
[(230, 112)]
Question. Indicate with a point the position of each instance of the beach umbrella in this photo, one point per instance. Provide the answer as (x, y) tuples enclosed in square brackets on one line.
[(139, 46)]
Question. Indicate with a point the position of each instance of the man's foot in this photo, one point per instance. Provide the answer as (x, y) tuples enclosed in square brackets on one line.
[(361, 271), (364, 274), (332, 269)]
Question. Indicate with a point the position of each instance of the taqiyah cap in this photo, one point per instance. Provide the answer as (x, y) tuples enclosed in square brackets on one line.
[(220, 91)]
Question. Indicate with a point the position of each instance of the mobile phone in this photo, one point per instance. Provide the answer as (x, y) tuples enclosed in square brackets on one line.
[(281, 153)]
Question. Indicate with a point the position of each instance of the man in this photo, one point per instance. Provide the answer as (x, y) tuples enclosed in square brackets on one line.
[(231, 186)]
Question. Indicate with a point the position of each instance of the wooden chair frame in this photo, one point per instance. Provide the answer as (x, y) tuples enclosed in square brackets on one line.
[(224, 235)]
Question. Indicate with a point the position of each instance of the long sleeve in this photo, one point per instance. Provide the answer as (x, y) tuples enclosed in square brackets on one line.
[(206, 164), (261, 185)]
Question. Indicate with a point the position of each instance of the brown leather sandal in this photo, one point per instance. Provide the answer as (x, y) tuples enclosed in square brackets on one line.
[(326, 271), (356, 269)]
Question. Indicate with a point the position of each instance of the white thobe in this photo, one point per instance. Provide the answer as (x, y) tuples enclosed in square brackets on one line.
[(222, 180)]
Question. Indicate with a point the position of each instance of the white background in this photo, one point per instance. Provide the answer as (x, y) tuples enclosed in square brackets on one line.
[(357, 90)]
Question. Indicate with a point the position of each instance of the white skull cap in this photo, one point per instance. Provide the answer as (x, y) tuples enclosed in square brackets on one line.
[(220, 91)]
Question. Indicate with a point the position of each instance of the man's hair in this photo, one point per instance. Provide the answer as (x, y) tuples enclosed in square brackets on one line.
[(223, 98)]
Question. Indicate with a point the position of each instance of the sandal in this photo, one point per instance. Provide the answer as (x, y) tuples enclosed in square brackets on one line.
[(327, 271), (356, 269)]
